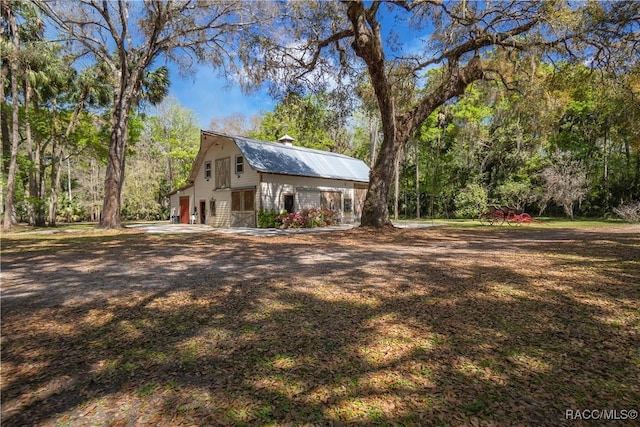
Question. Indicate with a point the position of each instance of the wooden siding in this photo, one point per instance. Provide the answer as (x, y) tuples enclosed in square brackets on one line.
[(205, 190), (270, 189), (308, 192), (307, 198)]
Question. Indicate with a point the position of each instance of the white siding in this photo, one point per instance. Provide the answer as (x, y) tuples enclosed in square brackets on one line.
[(174, 205), (205, 190), (307, 199), (272, 194), (307, 191), (270, 188), (223, 209), (174, 201)]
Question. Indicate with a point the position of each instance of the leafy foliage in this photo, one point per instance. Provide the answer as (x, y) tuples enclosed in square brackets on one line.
[(471, 201), (175, 137), (267, 218), (309, 119), (306, 218)]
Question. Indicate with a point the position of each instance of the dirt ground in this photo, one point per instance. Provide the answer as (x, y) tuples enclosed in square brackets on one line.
[(416, 327)]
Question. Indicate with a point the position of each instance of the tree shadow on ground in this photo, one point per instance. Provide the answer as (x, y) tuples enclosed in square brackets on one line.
[(440, 327)]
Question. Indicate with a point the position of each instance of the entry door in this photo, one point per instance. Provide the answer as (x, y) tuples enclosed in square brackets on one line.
[(203, 211), (243, 208), (288, 202), (184, 210)]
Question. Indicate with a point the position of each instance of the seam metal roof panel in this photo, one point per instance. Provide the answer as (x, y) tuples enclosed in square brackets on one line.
[(270, 157)]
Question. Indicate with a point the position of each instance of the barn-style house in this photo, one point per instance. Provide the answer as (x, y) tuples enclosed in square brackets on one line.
[(234, 177)]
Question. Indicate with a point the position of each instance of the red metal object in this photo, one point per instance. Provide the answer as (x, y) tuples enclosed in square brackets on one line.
[(516, 218), (498, 215)]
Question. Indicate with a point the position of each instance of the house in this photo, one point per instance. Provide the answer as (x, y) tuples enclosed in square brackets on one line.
[(234, 177)]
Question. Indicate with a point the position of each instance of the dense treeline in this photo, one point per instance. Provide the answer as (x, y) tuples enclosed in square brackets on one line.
[(566, 142), (552, 138)]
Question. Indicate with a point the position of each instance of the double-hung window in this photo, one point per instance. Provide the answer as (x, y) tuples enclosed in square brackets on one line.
[(239, 164), (207, 171)]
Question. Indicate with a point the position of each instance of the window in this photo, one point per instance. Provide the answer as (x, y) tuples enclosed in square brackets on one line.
[(207, 171), (348, 205), (223, 173), (212, 207), (239, 164)]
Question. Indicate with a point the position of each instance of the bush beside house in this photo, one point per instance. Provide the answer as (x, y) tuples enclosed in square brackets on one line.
[(306, 218)]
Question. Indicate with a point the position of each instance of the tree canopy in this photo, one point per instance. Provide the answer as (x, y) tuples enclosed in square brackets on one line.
[(129, 37), (526, 92), (330, 43)]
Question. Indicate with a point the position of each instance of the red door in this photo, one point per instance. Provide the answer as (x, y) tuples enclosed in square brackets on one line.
[(184, 210)]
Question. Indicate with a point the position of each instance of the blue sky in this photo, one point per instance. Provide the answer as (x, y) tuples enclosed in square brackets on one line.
[(210, 96)]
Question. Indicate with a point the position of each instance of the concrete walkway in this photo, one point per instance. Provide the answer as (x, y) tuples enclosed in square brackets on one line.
[(167, 228)]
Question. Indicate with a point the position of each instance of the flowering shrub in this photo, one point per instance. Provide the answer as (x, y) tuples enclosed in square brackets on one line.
[(307, 218), (290, 220)]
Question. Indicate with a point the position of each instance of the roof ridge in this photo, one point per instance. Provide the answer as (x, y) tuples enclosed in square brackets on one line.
[(274, 157), (276, 143), (294, 147)]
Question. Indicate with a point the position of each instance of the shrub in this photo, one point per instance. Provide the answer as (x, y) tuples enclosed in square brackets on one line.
[(471, 201), (290, 220), (307, 218), (515, 193), (629, 212), (70, 210), (267, 218)]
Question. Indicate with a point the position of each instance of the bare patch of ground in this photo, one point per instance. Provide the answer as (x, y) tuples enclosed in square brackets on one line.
[(413, 327)]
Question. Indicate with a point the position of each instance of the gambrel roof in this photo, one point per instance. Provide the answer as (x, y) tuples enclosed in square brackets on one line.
[(277, 158)]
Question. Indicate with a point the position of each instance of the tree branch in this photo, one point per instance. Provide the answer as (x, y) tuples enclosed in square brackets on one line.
[(477, 43)]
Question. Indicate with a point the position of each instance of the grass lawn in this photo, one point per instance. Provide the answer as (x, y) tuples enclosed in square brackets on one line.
[(455, 325)]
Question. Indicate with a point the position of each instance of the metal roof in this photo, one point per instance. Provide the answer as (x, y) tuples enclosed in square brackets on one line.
[(277, 158)]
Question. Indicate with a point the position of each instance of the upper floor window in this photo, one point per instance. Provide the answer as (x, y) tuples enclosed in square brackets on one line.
[(239, 164), (207, 171)]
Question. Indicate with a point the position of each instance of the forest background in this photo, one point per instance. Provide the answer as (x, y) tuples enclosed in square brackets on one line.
[(564, 140)]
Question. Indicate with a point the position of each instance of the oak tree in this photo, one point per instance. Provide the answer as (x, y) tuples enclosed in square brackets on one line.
[(130, 38), (326, 45)]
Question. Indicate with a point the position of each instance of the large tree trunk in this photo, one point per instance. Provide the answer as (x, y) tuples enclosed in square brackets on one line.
[(375, 212), (367, 45), (9, 208), (114, 179), (398, 129)]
